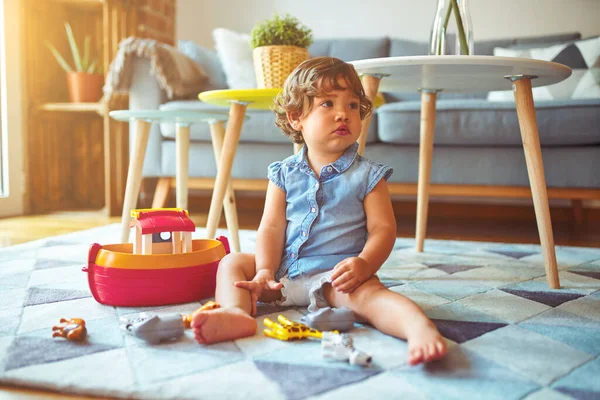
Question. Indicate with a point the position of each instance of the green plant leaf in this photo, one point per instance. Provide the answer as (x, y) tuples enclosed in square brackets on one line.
[(91, 69), (63, 63), (285, 31), (74, 50), (86, 53)]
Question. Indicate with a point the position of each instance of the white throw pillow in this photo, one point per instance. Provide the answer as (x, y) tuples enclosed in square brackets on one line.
[(235, 54), (583, 56)]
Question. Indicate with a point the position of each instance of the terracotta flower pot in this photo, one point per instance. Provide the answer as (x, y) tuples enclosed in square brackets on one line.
[(84, 87)]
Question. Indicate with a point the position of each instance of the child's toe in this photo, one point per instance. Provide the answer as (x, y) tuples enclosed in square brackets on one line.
[(415, 356)]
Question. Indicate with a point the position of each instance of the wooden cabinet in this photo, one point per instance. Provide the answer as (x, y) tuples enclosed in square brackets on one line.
[(76, 156)]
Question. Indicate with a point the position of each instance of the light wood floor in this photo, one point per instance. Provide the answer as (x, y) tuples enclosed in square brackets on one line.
[(490, 223)]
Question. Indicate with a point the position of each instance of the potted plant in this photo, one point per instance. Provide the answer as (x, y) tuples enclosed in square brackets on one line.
[(280, 44), (85, 80)]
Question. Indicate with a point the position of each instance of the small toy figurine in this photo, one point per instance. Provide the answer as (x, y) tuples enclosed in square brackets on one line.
[(152, 328), (329, 319), (70, 329), (187, 318), (289, 330), (341, 347)]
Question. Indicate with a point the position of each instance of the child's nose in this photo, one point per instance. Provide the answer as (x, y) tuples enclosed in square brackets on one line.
[(341, 116)]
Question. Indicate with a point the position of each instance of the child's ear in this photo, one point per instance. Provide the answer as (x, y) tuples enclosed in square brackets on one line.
[(294, 119)]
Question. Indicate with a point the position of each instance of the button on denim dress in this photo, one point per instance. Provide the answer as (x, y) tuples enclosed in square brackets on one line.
[(326, 220)]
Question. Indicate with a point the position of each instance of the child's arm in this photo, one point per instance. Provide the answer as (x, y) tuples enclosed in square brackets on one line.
[(381, 225), (270, 239)]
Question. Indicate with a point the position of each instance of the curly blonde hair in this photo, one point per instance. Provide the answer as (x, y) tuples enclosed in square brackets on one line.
[(310, 79)]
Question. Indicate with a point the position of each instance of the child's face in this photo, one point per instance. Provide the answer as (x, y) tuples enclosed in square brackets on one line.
[(333, 122)]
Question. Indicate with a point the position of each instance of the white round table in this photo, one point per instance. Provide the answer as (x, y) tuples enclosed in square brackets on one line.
[(432, 74)]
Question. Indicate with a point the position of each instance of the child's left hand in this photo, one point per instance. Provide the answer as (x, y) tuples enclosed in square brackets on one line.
[(349, 274)]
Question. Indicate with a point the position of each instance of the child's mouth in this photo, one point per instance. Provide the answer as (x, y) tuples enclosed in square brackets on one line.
[(342, 131)]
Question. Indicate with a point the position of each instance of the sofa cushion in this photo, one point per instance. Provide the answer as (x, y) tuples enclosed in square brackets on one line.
[(208, 60), (258, 127), (350, 49), (583, 56), (480, 123), (575, 166), (403, 47), (450, 165), (235, 55)]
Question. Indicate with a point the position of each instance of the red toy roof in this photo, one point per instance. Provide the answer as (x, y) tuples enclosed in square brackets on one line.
[(161, 220)]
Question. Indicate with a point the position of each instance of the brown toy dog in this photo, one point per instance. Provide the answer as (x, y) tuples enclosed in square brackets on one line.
[(70, 329)]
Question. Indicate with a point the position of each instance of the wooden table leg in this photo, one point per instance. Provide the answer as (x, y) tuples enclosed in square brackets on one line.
[(134, 175), (217, 133), (537, 180), (182, 152), (428, 100), (232, 137), (370, 84)]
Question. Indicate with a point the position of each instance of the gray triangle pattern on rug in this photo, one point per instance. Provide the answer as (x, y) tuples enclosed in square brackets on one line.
[(462, 331), (298, 381), (513, 254), (579, 394), (453, 268), (551, 299), (28, 350), (38, 295), (589, 274)]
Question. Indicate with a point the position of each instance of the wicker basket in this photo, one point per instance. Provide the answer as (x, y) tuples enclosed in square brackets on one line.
[(273, 64)]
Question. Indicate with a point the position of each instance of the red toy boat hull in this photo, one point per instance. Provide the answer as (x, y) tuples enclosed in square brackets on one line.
[(150, 287)]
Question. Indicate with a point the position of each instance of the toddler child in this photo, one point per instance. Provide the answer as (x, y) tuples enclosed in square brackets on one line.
[(328, 223)]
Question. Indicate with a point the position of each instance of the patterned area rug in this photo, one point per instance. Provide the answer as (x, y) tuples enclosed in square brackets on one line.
[(510, 337)]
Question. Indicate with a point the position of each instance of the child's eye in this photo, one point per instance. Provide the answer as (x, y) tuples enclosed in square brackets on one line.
[(354, 106), (327, 103)]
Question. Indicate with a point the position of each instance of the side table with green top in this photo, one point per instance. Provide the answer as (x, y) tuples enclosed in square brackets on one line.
[(183, 119)]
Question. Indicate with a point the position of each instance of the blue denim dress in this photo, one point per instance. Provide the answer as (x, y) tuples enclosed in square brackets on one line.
[(326, 220)]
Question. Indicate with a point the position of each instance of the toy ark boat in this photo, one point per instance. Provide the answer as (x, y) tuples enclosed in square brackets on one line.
[(163, 265)]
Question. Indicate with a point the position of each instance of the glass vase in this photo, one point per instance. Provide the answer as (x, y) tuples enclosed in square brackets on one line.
[(452, 18)]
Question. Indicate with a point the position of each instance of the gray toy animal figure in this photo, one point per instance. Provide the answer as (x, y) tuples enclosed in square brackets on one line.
[(330, 319), (152, 328), (340, 347)]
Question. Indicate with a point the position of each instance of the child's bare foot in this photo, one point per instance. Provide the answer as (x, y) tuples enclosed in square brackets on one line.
[(222, 324), (426, 345)]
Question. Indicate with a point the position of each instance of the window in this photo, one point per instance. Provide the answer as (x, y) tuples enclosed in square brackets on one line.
[(11, 133)]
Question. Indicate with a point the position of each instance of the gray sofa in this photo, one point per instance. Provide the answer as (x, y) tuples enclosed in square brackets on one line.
[(477, 143)]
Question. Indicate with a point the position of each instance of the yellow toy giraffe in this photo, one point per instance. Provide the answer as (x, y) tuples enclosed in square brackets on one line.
[(290, 330)]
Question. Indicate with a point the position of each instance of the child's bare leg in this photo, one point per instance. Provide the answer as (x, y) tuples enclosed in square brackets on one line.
[(395, 315), (232, 320)]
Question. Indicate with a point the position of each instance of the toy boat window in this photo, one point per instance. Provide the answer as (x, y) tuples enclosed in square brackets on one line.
[(162, 231)]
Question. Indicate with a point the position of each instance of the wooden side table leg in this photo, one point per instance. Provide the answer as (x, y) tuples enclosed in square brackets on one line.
[(134, 175), (370, 84), (162, 192), (182, 152), (537, 180), (232, 137), (217, 133), (428, 100)]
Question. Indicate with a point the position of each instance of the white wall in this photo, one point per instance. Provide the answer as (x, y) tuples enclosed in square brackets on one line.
[(410, 19)]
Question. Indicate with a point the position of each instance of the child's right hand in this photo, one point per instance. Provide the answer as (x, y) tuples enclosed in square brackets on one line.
[(264, 279)]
